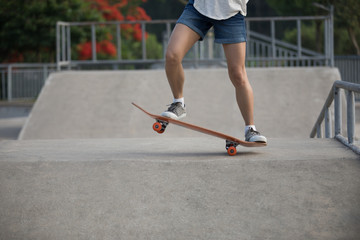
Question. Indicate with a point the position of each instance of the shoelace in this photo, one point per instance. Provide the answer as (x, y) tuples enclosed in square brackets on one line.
[(252, 132), (172, 106)]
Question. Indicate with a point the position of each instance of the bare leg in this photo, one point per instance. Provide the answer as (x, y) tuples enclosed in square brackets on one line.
[(235, 55), (181, 40)]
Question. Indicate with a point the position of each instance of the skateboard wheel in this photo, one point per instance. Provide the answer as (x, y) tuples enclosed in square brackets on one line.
[(157, 127), (231, 151)]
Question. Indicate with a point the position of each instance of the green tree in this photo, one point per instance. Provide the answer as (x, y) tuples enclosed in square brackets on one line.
[(347, 16), (164, 9), (27, 28), (347, 19), (28, 32), (295, 7), (300, 8)]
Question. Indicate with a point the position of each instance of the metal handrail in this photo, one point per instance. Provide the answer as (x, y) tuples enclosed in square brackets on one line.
[(334, 95)]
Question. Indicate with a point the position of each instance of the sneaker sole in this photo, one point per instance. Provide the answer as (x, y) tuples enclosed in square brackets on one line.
[(260, 139), (172, 115)]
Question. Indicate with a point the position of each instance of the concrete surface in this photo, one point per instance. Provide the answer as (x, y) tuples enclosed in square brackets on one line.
[(185, 189), (97, 104), (92, 168)]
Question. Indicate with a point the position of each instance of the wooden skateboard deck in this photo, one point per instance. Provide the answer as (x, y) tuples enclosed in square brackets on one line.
[(231, 142)]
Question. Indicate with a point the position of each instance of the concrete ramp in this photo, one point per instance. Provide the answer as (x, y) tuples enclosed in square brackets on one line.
[(186, 189), (94, 104)]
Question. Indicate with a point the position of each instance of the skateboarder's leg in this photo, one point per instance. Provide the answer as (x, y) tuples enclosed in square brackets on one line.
[(235, 55), (181, 41)]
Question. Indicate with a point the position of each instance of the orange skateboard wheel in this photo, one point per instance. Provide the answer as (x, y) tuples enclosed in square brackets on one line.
[(157, 127), (231, 151)]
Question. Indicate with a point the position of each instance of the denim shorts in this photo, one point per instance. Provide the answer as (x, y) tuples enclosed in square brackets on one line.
[(231, 30)]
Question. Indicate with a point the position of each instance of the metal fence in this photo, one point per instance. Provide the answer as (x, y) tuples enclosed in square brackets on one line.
[(266, 51), (23, 81), (349, 67), (262, 50)]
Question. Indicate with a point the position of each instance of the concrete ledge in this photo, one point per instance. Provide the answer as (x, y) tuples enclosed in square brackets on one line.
[(179, 189)]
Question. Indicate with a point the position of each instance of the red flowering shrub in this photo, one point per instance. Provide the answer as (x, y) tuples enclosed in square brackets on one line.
[(123, 10), (84, 50), (104, 47), (109, 12)]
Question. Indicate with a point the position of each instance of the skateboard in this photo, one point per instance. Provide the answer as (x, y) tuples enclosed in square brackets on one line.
[(231, 142)]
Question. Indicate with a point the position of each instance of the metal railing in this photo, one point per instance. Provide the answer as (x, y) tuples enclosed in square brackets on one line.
[(273, 52), (63, 42), (349, 68), (23, 80), (325, 115), (262, 50)]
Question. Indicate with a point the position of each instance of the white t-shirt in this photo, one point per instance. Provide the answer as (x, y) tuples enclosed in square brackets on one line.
[(221, 9)]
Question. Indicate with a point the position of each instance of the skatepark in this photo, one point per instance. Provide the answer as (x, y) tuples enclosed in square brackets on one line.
[(87, 164)]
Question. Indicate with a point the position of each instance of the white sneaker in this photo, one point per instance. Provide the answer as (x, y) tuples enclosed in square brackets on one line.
[(175, 111), (254, 136)]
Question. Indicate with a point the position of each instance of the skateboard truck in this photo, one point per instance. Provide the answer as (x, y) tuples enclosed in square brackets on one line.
[(231, 147)]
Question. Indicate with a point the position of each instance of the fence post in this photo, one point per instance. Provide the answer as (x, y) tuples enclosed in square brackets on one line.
[(326, 42), (331, 36), (3, 94), (327, 123), (45, 73), (273, 45), (58, 46), (299, 49), (9, 83), (93, 42), (68, 39), (143, 41), (337, 109), (63, 43), (118, 41), (350, 116)]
